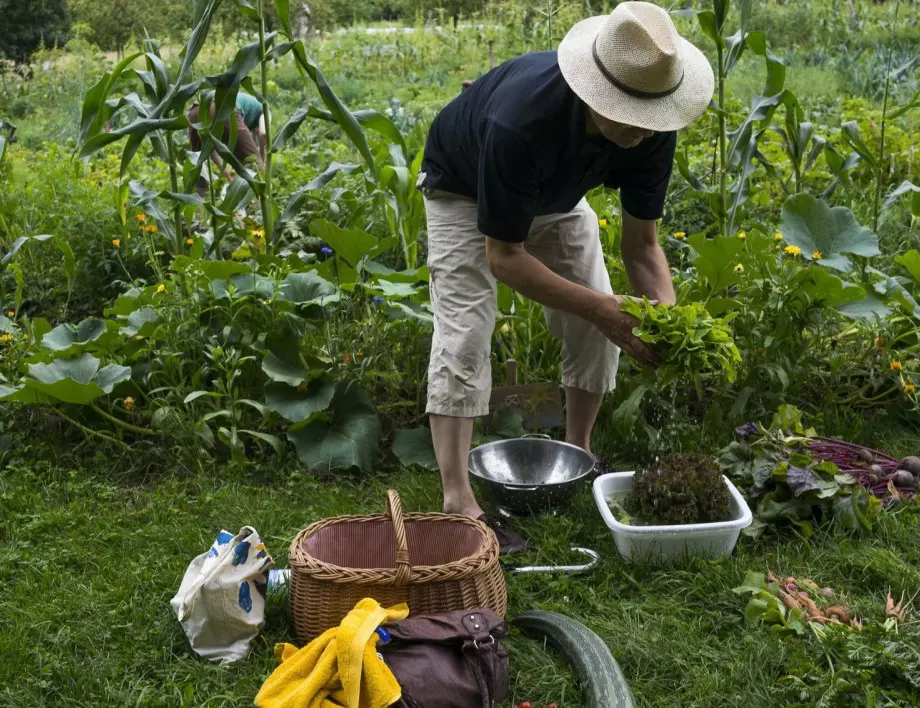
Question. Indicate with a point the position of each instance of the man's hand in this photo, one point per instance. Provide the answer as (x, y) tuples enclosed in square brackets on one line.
[(618, 326)]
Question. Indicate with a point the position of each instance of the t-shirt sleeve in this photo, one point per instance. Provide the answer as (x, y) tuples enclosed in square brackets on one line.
[(506, 185), (643, 192)]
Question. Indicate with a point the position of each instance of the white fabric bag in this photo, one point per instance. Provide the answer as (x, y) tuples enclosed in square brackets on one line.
[(221, 602)]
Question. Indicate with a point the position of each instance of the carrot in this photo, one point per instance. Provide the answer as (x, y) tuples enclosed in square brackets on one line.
[(840, 612), (813, 612), (790, 600)]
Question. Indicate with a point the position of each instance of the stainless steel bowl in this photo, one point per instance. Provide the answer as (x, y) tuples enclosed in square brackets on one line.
[(530, 474)]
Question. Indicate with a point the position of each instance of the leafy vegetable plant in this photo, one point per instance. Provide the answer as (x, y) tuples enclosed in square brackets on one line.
[(788, 485), (689, 339), (682, 489)]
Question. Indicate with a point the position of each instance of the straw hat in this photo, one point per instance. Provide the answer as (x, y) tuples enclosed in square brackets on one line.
[(632, 67)]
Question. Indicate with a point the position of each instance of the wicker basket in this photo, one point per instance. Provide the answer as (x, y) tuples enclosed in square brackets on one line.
[(337, 562)]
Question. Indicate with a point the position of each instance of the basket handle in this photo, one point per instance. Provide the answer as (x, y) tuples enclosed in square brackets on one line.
[(395, 512)]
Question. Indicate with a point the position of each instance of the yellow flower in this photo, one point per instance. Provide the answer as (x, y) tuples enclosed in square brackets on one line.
[(190, 241), (25, 336), (602, 222), (142, 217), (739, 268), (4, 338), (258, 233), (777, 236), (742, 235), (896, 365), (161, 288), (793, 250), (116, 242), (150, 228), (816, 255), (909, 388), (10, 313), (680, 235), (129, 403)]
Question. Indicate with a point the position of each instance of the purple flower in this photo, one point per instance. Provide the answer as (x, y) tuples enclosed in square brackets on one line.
[(499, 341), (326, 250), (747, 430), (377, 298)]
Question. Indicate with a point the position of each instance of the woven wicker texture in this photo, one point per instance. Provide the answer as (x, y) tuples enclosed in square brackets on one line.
[(432, 562)]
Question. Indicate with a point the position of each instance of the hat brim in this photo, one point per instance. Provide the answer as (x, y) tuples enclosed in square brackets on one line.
[(671, 112)]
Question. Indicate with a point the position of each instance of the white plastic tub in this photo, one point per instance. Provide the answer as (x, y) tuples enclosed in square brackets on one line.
[(663, 543)]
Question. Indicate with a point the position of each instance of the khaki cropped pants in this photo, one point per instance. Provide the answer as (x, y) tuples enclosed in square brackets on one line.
[(463, 296)]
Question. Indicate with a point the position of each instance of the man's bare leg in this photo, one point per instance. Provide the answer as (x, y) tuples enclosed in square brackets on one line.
[(452, 439), (581, 408)]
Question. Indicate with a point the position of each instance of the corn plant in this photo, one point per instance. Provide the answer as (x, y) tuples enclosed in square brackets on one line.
[(735, 149)]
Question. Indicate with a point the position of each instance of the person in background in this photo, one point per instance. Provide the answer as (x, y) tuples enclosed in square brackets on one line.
[(506, 168), (248, 112), (254, 117)]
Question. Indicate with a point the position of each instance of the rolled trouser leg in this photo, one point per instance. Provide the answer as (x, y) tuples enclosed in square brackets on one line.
[(463, 298)]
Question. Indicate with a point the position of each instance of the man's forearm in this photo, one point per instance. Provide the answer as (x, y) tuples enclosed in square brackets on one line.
[(646, 266), (522, 272), (649, 274)]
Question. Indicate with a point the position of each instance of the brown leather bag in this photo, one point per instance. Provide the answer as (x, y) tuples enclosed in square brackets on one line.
[(450, 660)]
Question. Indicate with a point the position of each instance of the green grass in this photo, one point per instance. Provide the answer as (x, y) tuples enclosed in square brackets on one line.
[(93, 548)]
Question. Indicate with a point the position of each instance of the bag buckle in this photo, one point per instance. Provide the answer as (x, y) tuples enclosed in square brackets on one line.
[(479, 647)]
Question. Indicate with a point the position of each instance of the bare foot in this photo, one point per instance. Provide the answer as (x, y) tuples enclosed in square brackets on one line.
[(471, 509)]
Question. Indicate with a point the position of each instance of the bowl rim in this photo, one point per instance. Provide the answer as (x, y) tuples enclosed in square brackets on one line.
[(512, 485)]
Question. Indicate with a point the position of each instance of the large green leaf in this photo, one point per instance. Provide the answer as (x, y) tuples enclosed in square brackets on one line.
[(868, 308), (812, 225), (299, 403), (382, 272), (78, 381), (819, 285), (414, 447), (910, 261), (716, 259), (351, 244), (140, 322), (64, 336), (277, 369), (349, 439), (307, 288)]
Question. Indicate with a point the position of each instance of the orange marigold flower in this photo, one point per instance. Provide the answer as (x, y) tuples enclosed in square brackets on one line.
[(896, 365)]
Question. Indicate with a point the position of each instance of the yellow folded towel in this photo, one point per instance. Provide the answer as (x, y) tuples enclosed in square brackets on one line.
[(339, 669)]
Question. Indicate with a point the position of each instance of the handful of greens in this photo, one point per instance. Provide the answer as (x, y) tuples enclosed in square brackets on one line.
[(688, 338)]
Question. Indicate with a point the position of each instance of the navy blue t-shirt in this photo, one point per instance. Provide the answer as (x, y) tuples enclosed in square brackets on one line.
[(515, 141)]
